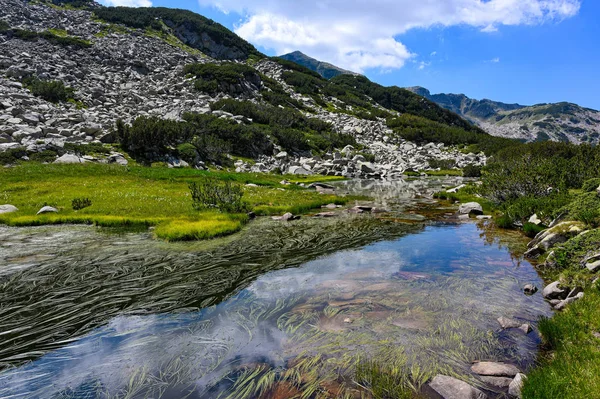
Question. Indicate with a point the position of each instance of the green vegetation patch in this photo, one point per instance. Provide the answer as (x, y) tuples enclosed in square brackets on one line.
[(55, 36), (571, 366), (54, 91), (214, 78), (115, 196), (190, 28)]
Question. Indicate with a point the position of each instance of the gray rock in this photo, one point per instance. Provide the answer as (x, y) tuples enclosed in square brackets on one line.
[(530, 289), (593, 266), (563, 304), (535, 220), (470, 208), (8, 209), (118, 159), (555, 291), (298, 170), (515, 387), (505, 322), (452, 388), (47, 209), (69, 159), (497, 382), (495, 369)]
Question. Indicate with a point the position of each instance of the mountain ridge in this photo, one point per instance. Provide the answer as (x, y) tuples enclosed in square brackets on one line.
[(324, 69), (561, 121)]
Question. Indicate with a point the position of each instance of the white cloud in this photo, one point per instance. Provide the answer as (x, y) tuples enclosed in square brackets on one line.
[(433, 54), (423, 65), (360, 34), (127, 3), (494, 60)]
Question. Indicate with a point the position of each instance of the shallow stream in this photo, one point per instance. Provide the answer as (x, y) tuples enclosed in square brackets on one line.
[(281, 310)]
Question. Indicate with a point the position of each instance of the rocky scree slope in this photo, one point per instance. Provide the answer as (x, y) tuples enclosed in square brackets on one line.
[(559, 122), (118, 72)]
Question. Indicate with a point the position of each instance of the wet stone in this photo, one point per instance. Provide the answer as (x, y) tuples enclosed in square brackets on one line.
[(494, 369)]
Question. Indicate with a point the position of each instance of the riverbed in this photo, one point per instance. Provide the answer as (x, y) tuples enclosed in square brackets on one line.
[(280, 310)]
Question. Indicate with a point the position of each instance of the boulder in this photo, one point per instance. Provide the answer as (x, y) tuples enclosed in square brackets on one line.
[(452, 388), (555, 291), (515, 387), (118, 159), (563, 304), (47, 209), (298, 170), (530, 289), (69, 159), (470, 208), (593, 266), (548, 238), (535, 220), (497, 382), (8, 209), (495, 369)]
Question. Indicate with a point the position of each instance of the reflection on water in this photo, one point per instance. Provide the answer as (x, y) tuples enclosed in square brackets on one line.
[(432, 297)]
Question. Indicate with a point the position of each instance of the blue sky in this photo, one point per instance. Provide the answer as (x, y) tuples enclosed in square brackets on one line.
[(525, 51)]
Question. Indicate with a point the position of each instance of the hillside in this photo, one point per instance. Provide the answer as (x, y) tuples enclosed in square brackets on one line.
[(86, 83), (324, 69), (559, 122)]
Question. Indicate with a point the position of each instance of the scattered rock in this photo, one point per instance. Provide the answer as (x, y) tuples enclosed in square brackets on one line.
[(593, 266), (452, 388), (495, 369), (535, 220), (555, 291), (69, 159), (470, 208), (47, 209), (289, 217), (118, 159), (507, 323), (8, 209), (548, 238), (298, 170), (530, 289), (497, 382), (515, 387), (563, 304)]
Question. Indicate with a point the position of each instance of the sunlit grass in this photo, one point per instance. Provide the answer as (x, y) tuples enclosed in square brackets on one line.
[(212, 225), (142, 196)]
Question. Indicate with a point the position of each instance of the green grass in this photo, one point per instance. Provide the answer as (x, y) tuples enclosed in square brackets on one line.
[(140, 196), (571, 368)]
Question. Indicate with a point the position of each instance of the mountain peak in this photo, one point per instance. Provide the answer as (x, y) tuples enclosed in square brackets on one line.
[(324, 69)]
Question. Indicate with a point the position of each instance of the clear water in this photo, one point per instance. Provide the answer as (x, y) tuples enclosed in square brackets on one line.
[(429, 298)]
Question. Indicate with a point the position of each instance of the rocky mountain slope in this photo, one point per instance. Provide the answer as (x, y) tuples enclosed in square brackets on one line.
[(559, 122), (96, 84), (324, 69)]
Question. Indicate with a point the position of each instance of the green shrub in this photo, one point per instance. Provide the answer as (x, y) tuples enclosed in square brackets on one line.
[(43, 156), (187, 152), (591, 184), (472, 171), (12, 155), (531, 230), (228, 77), (442, 164), (504, 222), (224, 196), (50, 90), (80, 203), (181, 23)]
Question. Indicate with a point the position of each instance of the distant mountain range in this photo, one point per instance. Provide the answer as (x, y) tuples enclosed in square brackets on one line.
[(559, 121), (324, 69)]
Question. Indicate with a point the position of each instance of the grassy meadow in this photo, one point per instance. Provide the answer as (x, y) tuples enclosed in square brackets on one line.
[(136, 196)]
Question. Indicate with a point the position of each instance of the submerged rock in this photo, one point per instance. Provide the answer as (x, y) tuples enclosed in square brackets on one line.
[(497, 382), (495, 369), (530, 289), (8, 208), (507, 323), (452, 388), (47, 209), (470, 208)]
